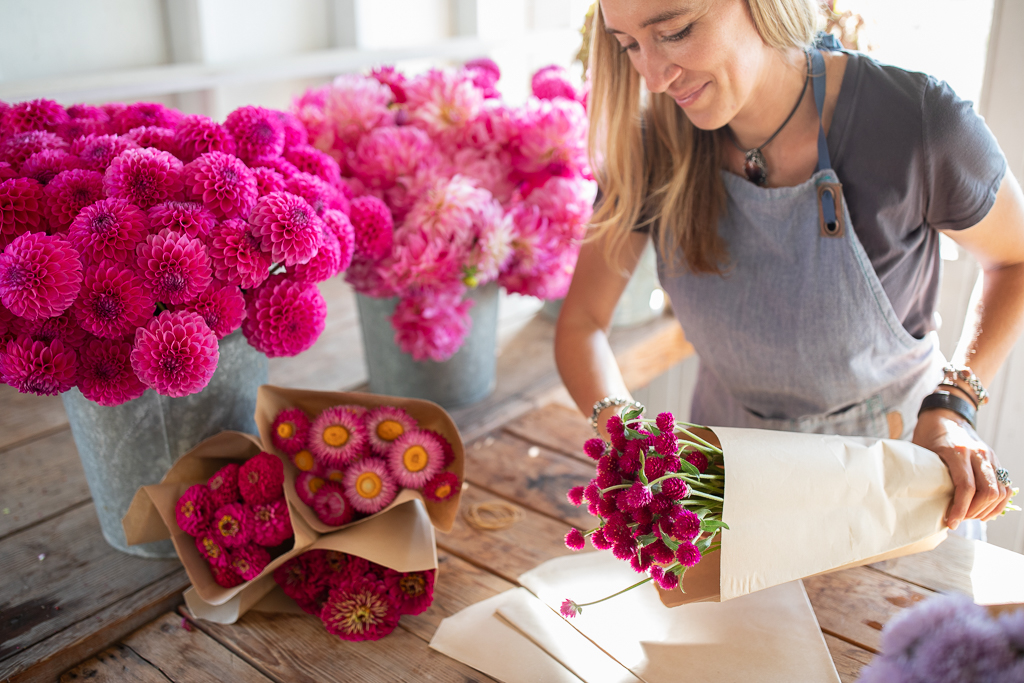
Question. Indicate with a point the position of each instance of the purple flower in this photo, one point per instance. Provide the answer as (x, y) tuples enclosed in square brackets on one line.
[(594, 448), (175, 265), (687, 554), (675, 489), (698, 460), (35, 367), (105, 373), (569, 609), (638, 495), (669, 581), (686, 526), (145, 177), (575, 495), (666, 422), (108, 229), (574, 540), (599, 540), (113, 301)]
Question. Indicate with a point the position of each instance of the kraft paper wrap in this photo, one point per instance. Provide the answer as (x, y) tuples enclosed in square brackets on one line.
[(798, 505), (271, 400), (150, 517)]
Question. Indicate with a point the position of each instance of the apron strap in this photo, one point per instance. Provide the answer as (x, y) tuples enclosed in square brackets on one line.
[(818, 78)]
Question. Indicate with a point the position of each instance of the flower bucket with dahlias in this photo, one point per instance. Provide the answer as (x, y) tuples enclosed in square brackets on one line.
[(717, 513)]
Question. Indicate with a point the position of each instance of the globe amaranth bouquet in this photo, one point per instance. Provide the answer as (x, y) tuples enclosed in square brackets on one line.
[(455, 189), (135, 237)]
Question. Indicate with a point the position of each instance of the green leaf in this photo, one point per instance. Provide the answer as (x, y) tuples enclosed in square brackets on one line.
[(672, 543), (709, 524), (633, 434), (702, 513), (654, 430), (688, 468), (631, 415), (647, 538)]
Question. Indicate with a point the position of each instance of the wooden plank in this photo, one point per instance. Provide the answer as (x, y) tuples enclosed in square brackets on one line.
[(642, 362), (849, 659), (532, 476), (46, 660), (187, 655), (557, 427), (27, 416), (41, 478), (117, 663), (855, 604)]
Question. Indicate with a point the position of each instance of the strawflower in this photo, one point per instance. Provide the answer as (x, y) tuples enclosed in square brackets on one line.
[(385, 424), (369, 486), (442, 487), (331, 506), (337, 436), (414, 458), (307, 485), (249, 560), (290, 430)]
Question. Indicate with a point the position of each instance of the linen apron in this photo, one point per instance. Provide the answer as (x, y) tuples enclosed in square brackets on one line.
[(799, 334)]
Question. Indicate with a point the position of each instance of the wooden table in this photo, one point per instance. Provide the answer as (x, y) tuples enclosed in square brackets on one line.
[(65, 595)]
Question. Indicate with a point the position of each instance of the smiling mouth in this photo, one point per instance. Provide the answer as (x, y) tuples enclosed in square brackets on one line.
[(691, 97)]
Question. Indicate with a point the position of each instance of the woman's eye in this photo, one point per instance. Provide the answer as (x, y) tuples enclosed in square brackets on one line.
[(678, 35), (630, 47)]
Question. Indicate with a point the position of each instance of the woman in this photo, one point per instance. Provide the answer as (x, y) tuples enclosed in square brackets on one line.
[(799, 250)]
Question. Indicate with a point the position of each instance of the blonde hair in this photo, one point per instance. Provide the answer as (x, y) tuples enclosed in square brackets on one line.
[(653, 166)]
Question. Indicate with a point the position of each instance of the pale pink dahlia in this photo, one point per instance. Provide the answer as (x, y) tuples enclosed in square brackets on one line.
[(317, 192), (354, 106), (369, 278), (222, 183), (33, 115), (44, 166), (360, 609), (249, 561), (261, 478), (175, 354), (70, 192), (339, 223), (222, 306), (284, 317), (273, 524), (97, 151), (35, 367), (196, 135), (374, 228), (267, 180), (331, 506), (113, 301), (287, 227), (108, 229), (194, 510), (145, 177), (324, 265), (551, 82), (415, 458), (145, 114), (307, 484), (337, 437), (22, 204), (384, 154), (290, 431), (431, 325), (174, 265), (442, 101), (258, 133), (565, 200), (105, 373), (309, 159), (16, 148), (191, 218), (237, 254), (393, 78), (553, 138), (40, 276), (385, 424), (485, 74), (154, 137)]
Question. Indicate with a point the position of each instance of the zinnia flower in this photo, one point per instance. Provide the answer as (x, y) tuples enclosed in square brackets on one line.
[(211, 549), (191, 218), (194, 510), (261, 478), (338, 436), (144, 177), (331, 506), (284, 317), (21, 208), (290, 430), (257, 131), (44, 166), (174, 265), (414, 458), (225, 576), (307, 485), (237, 256), (40, 276), (108, 229), (442, 487), (369, 486), (197, 135), (249, 560), (287, 227), (113, 301), (223, 485), (222, 183), (221, 306), (412, 591), (232, 525), (70, 192), (272, 524), (175, 354), (298, 578), (360, 609), (145, 114), (384, 424), (35, 367), (105, 374)]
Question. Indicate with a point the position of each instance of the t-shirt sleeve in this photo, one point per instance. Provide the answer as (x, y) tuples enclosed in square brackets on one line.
[(963, 163)]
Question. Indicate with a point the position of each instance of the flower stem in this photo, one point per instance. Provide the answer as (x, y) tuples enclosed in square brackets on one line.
[(612, 488), (613, 595)]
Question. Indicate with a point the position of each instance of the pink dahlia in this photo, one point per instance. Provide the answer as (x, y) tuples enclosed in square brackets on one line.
[(261, 478), (211, 549), (282, 166), (288, 227), (324, 265), (339, 223), (258, 133), (145, 114), (431, 325), (566, 201), (484, 73), (79, 128), (294, 132), (7, 171), (196, 135), (687, 554), (175, 354), (354, 106), (442, 487), (284, 317), (155, 137), (221, 306), (108, 229), (394, 79), (40, 276), (413, 591), (443, 101), (370, 278), (307, 485), (97, 151), (222, 183), (63, 327), (44, 166), (21, 208), (272, 525), (113, 301), (145, 177), (373, 225), (35, 367), (105, 374), (309, 159), (194, 510), (384, 154), (360, 609), (415, 458), (551, 82), (174, 265), (249, 561), (317, 192), (337, 437), (32, 115), (331, 506), (267, 180), (191, 218), (232, 525), (553, 138), (237, 255), (385, 424), (86, 111), (369, 486), (290, 430), (15, 149), (68, 193)]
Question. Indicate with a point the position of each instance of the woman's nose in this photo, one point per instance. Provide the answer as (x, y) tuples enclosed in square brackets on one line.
[(658, 71)]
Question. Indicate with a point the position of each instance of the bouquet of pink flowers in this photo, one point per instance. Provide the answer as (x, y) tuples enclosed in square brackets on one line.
[(135, 237), (454, 189)]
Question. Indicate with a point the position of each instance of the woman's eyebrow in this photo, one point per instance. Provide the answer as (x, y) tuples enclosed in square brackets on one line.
[(656, 19)]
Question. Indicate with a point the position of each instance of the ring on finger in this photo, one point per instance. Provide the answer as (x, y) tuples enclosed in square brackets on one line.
[(1003, 477)]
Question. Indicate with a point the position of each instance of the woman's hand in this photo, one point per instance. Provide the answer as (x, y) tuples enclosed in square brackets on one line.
[(972, 465)]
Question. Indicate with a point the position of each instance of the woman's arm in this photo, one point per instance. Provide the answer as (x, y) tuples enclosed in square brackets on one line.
[(584, 358), (989, 334)]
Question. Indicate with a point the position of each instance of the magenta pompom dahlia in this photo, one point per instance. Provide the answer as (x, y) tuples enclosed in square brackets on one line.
[(232, 525), (155, 137), (197, 135), (284, 317), (331, 506), (222, 183), (105, 374), (339, 223), (384, 424), (44, 166), (211, 549), (145, 114), (35, 367), (267, 180), (194, 510), (97, 151), (258, 133), (32, 115), (145, 177), (175, 354), (221, 306), (288, 227), (317, 193), (279, 165), (413, 591), (261, 478), (369, 486), (237, 255), (40, 276), (290, 431), (309, 159), (223, 485), (294, 132), (373, 225), (7, 171), (16, 149), (272, 524), (307, 485), (69, 192), (249, 560), (113, 301), (415, 458), (80, 127), (191, 218), (63, 327), (325, 263), (337, 436), (174, 265), (442, 487), (360, 609), (21, 208)]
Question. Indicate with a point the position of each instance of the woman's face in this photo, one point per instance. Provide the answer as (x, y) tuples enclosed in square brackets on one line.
[(705, 54)]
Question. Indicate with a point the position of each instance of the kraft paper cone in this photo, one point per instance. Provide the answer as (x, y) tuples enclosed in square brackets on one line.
[(271, 400), (798, 505)]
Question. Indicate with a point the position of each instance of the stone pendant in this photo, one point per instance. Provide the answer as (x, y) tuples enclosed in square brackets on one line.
[(755, 167)]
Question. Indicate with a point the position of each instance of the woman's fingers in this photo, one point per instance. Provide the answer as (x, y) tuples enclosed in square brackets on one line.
[(957, 460), (987, 490)]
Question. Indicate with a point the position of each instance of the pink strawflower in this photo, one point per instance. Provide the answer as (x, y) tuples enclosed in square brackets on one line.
[(145, 177), (414, 458), (211, 549), (249, 561), (35, 367), (339, 223), (442, 101), (232, 525), (569, 609), (369, 486), (687, 554), (32, 115), (309, 159), (222, 306), (44, 166), (21, 208), (303, 460), (175, 354), (360, 609), (113, 301), (318, 193), (105, 374), (223, 486), (194, 510), (384, 425), (387, 153), (261, 479), (258, 133), (237, 255), (431, 325), (222, 183), (287, 227), (307, 485), (284, 317), (40, 276), (374, 229), (290, 430), (442, 487), (331, 506), (574, 540), (68, 193), (575, 495), (551, 82), (191, 218), (412, 591), (174, 265), (15, 149), (447, 452), (97, 151), (267, 180), (197, 135), (337, 436), (145, 114), (354, 105), (272, 524), (392, 78), (553, 138), (155, 137)]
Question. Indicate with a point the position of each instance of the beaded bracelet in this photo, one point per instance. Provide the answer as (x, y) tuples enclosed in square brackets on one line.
[(967, 376), (608, 402)]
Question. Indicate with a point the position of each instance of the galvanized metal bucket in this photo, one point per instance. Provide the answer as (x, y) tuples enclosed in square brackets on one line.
[(134, 444)]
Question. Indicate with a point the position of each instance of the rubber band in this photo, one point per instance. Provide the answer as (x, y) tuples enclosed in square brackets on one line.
[(492, 515)]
